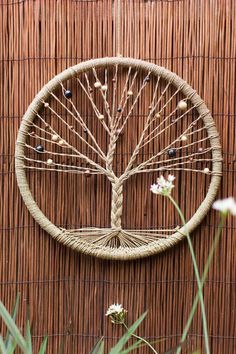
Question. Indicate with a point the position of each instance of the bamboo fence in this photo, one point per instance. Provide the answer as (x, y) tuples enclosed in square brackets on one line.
[(68, 293)]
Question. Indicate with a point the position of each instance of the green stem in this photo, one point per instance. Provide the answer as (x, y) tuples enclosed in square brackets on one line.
[(205, 272), (196, 274), (140, 338)]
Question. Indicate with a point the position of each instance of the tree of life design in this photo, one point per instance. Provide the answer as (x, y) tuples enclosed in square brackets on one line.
[(116, 90)]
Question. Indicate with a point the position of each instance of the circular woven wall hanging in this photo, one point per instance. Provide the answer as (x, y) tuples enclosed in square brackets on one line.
[(118, 122)]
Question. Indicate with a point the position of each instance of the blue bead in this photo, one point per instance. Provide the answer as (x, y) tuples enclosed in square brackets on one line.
[(68, 94), (39, 148), (171, 152)]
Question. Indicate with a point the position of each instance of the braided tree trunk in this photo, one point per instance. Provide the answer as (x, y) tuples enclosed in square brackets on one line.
[(116, 204), (117, 187)]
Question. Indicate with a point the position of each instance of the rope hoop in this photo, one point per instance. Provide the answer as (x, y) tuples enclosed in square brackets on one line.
[(114, 89)]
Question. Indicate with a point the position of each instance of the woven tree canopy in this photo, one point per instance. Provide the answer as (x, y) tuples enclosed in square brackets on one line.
[(121, 122)]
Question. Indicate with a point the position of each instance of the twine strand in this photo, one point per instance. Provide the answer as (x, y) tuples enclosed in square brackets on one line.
[(118, 28)]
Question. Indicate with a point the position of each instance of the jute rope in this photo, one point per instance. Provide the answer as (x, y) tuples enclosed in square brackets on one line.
[(118, 32), (116, 242)]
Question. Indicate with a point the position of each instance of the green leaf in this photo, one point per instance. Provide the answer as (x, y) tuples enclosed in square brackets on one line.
[(13, 328), (28, 337), (136, 345), (43, 346), (173, 350), (99, 347), (142, 344), (3, 349), (8, 339), (120, 344), (11, 346)]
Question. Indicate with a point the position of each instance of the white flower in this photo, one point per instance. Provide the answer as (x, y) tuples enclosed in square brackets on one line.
[(171, 178), (163, 186), (155, 189), (227, 205), (116, 313), (115, 308)]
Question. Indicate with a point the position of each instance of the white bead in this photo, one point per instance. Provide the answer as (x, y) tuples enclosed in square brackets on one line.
[(182, 105), (87, 173), (54, 137), (49, 162), (157, 115), (206, 170), (61, 142), (97, 84), (101, 116), (184, 138), (130, 93), (46, 104), (104, 87), (119, 131)]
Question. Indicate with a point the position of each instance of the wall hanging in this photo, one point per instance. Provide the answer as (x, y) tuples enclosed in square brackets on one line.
[(77, 125)]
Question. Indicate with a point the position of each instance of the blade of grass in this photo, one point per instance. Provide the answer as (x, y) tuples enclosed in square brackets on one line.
[(28, 337), (173, 350), (43, 346), (136, 345), (151, 342), (11, 347), (13, 328), (142, 339), (204, 276), (124, 339), (197, 275), (3, 349), (13, 315), (101, 349), (97, 347)]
